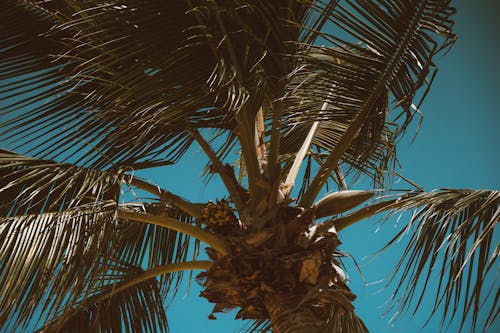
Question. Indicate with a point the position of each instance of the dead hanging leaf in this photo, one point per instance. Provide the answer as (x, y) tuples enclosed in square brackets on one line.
[(341, 277), (310, 269)]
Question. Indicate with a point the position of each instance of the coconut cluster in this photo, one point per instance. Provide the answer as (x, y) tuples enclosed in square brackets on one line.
[(218, 214)]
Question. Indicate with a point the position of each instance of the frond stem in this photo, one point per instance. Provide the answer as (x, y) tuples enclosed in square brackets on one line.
[(214, 241), (361, 214), (154, 272), (229, 180), (260, 134), (299, 158), (333, 159), (246, 137)]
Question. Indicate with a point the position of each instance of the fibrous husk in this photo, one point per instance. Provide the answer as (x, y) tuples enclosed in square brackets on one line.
[(309, 272), (265, 262)]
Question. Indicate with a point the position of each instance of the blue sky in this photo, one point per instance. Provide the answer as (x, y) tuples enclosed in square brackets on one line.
[(457, 147)]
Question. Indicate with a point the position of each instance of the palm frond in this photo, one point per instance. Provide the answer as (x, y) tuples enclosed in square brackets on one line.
[(338, 322), (122, 107), (312, 98), (192, 209), (382, 47), (92, 85), (48, 259), (452, 241), (130, 108), (218, 243), (344, 322), (139, 308), (58, 222), (30, 186), (101, 85), (150, 246), (257, 326)]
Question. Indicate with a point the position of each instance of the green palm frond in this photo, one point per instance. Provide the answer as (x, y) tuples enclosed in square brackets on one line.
[(372, 161), (122, 108), (451, 241), (139, 308), (258, 326), (339, 322), (47, 259), (383, 47), (344, 322), (59, 221), (30, 186), (150, 246), (106, 97)]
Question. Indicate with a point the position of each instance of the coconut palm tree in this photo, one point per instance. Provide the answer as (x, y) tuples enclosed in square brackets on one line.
[(311, 94)]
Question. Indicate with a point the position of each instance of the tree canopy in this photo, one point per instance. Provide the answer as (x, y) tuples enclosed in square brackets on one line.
[(311, 94)]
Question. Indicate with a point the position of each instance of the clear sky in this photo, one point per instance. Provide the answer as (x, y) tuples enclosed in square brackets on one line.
[(457, 147)]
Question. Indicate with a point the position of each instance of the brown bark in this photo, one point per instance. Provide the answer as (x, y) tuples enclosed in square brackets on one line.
[(288, 317)]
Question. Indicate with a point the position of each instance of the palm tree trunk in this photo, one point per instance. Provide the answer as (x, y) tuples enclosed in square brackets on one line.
[(287, 317)]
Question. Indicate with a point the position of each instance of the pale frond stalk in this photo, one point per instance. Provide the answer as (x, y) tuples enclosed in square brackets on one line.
[(214, 241), (260, 135), (246, 129), (273, 167), (341, 179), (333, 159), (361, 214), (154, 272), (299, 158)]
